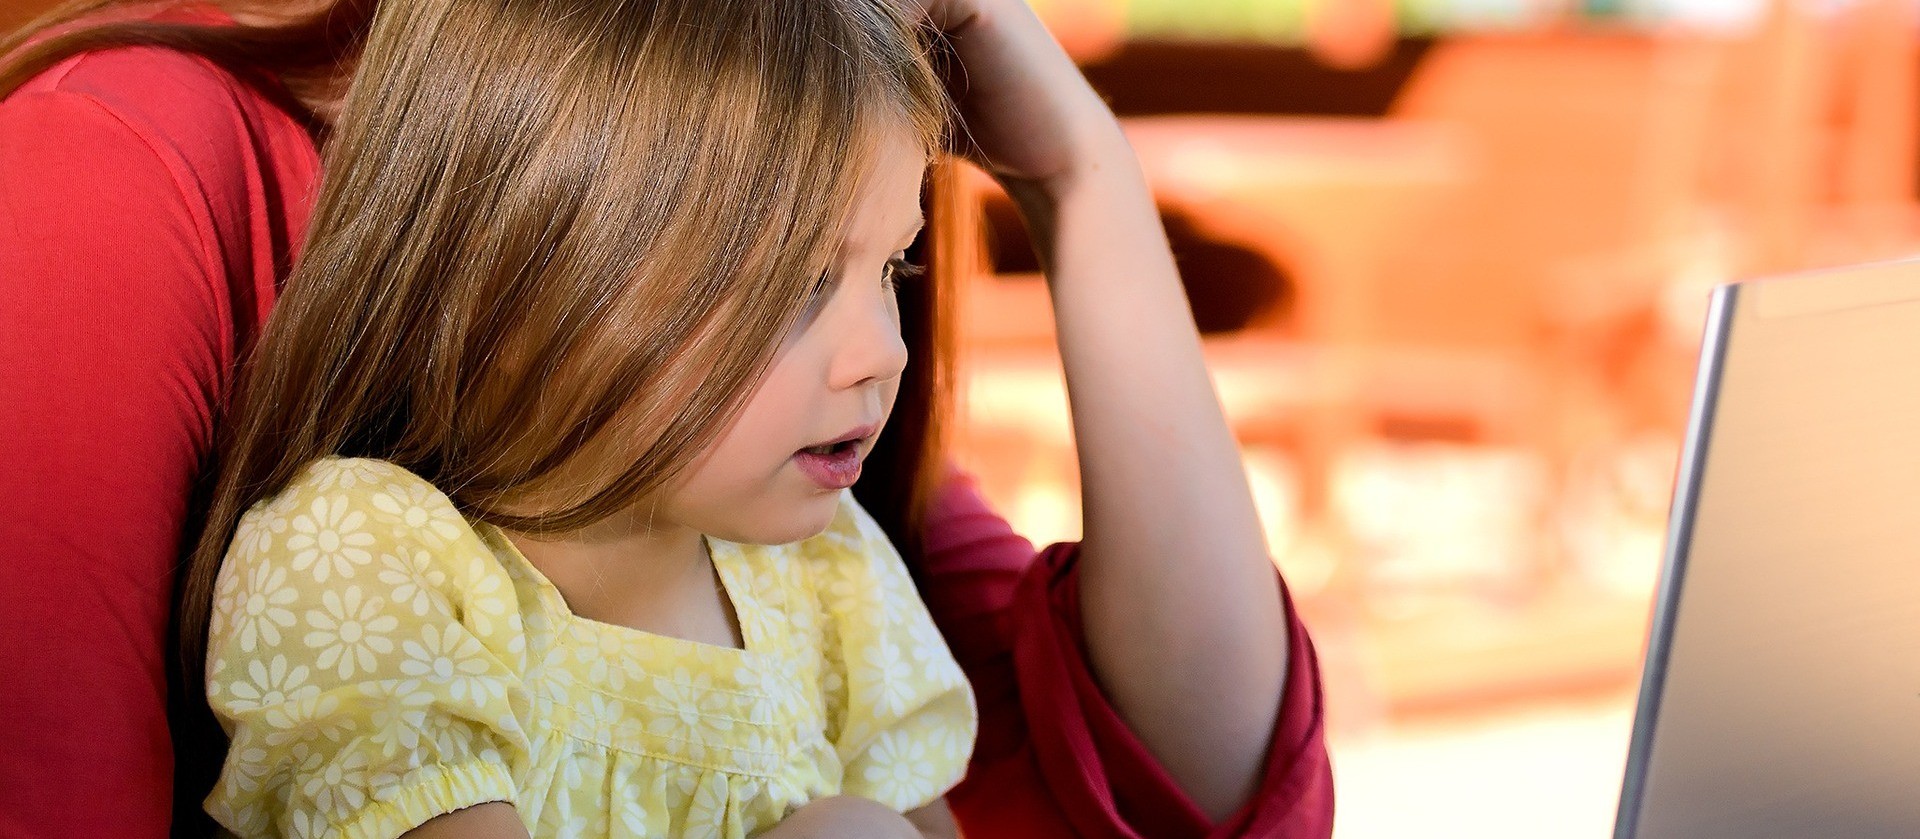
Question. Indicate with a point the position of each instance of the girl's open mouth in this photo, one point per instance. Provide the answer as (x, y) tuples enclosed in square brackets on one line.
[(830, 448), (832, 466)]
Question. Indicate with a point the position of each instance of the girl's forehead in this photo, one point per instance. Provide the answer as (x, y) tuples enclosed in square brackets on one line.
[(886, 210)]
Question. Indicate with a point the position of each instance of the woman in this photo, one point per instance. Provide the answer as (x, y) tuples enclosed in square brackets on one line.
[(150, 201)]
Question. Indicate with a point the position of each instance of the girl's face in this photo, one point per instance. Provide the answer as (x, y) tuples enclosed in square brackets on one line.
[(835, 376)]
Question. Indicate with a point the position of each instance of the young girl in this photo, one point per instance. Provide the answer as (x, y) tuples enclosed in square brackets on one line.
[(544, 456)]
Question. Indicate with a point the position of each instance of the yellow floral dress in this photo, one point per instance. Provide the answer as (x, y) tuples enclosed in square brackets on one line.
[(379, 660)]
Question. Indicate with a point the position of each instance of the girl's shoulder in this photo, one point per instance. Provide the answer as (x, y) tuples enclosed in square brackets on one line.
[(354, 511), (366, 541), (380, 484)]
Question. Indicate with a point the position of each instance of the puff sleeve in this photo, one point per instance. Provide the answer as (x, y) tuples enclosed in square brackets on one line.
[(364, 657)]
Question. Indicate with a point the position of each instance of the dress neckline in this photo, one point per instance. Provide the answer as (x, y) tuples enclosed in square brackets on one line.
[(728, 562)]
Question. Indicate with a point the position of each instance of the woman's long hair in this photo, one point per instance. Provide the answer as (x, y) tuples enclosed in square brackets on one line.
[(299, 62), (551, 234)]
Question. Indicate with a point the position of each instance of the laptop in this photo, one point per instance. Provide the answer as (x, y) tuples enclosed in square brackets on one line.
[(1781, 694)]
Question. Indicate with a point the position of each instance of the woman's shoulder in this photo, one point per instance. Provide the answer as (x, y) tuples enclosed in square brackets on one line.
[(196, 116), (136, 78), (121, 76), (164, 91)]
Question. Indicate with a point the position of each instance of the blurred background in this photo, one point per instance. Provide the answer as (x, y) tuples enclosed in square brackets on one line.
[(1451, 258)]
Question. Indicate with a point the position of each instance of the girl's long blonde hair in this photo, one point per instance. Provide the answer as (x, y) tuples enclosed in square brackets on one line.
[(552, 235)]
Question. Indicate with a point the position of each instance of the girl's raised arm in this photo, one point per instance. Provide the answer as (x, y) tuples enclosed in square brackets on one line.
[(1183, 616)]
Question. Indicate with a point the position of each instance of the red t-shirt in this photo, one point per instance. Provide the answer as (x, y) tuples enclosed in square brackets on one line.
[(149, 205)]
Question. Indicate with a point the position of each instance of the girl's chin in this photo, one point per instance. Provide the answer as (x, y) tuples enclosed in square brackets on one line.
[(797, 521)]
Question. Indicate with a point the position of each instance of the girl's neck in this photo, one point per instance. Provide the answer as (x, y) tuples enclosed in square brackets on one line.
[(660, 581)]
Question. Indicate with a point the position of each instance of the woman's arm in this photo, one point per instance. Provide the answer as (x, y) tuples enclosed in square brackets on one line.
[(1184, 621), (110, 360)]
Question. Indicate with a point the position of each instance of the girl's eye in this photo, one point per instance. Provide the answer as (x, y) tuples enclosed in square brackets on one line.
[(899, 270)]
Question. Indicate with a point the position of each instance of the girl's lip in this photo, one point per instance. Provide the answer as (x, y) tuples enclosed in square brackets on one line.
[(861, 432), (838, 470)]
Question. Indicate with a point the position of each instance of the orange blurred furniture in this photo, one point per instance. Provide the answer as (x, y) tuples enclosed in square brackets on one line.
[(1512, 258)]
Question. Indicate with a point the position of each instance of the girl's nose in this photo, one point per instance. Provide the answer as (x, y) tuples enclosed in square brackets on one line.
[(870, 347)]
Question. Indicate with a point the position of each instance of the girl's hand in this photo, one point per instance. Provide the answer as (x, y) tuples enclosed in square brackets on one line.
[(848, 816), (1031, 117)]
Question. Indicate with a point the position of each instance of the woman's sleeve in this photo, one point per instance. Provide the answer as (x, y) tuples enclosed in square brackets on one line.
[(363, 659), (111, 360), (905, 717), (1054, 757)]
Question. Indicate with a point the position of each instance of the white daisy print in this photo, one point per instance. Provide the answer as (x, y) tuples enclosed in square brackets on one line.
[(606, 659), (422, 510), (412, 579), (845, 539), (216, 678), (854, 594), (251, 821), (748, 679), (634, 818), (489, 598), (271, 683), (340, 785), (898, 769), (600, 707), (885, 672), (399, 717), (260, 609), (339, 475), (680, 718), (249, 768), (560, 819), (256, 533), (449, 657), (306, 825), (349, 632), (455, 738), (337, 786), (707, 809), (572, 772), (328, 539), (306, 721)]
